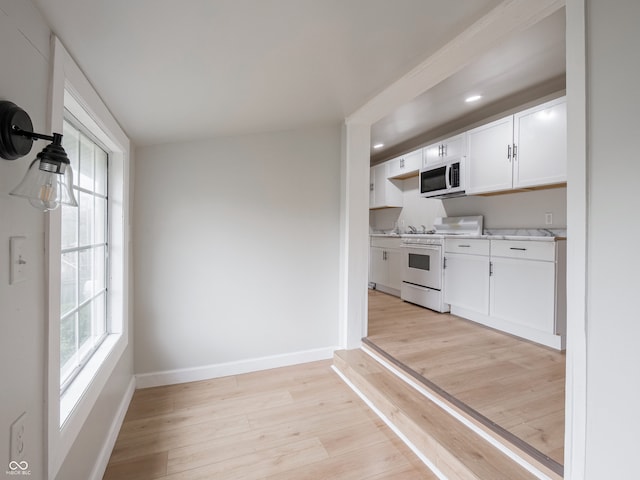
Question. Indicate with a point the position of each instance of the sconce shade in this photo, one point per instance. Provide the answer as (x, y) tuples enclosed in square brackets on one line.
[(48, 182)]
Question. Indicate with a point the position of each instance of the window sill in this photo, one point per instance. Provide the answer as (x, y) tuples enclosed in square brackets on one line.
[(78, 396)]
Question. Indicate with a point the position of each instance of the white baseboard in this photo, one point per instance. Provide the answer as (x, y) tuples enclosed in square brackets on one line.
[(183, 375), (105, 453)]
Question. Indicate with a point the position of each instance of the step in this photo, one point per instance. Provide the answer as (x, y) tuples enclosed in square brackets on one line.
[(450, 446)]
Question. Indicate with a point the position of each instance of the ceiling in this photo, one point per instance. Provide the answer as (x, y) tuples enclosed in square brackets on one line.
[(181, 70), (532, 61)]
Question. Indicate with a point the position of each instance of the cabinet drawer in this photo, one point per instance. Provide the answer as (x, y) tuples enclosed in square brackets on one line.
[(467, 245), (386, 242), (530, 250)]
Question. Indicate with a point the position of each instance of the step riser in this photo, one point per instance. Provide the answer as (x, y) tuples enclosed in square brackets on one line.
[(465, 455), (448, 465)]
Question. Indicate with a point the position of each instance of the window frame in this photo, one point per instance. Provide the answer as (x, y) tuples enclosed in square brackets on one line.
[(68, 413)]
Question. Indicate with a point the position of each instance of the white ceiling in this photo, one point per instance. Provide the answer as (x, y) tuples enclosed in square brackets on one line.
[(532, 60), (180, 70)]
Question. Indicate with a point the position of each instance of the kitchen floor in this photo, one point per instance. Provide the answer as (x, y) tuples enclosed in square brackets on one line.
[(514, 383)]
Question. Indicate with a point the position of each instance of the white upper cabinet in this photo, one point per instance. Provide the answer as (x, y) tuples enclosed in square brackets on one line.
[(405, 166), (382, 191), (450, 149), (540, 135), (519, 151), (489, 164)]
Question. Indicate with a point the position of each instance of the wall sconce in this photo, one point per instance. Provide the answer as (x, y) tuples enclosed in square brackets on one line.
[(49, 178)]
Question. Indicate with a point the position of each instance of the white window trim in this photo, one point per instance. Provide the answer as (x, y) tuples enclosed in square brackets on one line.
[(70, 88)]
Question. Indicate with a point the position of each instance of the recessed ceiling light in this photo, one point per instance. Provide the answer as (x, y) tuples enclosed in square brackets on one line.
[(378, 145), (473, 98)]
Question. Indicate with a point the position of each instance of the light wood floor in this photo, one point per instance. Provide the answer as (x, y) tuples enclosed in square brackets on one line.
[(299, 422), (514, 383)]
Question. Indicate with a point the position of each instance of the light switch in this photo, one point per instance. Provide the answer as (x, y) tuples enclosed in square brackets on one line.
[(18, 261)]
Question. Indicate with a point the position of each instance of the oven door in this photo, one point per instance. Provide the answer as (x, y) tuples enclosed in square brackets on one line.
[(422, 265)]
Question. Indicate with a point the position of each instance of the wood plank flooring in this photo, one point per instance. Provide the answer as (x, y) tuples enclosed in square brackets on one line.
[(516, 384), (300, 422)]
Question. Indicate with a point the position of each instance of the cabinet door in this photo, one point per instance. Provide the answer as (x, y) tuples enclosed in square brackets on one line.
[(450, 149), (372, 187), (394, 266), (488, 165), (466, 282), (523, 292), (454, 147), (385, 193), (379, 273), (541, 139), (405, 166)]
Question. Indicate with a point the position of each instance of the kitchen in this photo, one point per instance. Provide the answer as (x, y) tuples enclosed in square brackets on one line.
[(514, 225)]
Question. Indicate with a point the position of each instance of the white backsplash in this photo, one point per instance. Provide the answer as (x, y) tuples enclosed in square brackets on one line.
[(513, 210)]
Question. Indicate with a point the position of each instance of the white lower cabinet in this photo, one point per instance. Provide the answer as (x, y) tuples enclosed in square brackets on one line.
[(385, 265), (466, 275), (523, 292), (518, 288)]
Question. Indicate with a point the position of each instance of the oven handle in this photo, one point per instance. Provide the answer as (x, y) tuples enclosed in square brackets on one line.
[(447, 176), (422, 247)]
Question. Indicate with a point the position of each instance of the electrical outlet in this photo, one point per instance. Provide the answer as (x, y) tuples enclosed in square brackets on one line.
[(18, 430), (548, 218)]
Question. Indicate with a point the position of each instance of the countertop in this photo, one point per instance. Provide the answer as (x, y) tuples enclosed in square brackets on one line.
[(527, 234)]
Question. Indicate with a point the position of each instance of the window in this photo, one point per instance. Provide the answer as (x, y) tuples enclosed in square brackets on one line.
[(88, 263), (84, 254)]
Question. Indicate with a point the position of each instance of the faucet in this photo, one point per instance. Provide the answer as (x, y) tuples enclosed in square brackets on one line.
[(424, 229), (412, 229)]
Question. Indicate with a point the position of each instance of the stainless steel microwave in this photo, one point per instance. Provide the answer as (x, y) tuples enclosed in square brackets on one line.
[(442, 180)]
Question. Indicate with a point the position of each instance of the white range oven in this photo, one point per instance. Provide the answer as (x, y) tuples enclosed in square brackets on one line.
[(422, 274), (422, 261)]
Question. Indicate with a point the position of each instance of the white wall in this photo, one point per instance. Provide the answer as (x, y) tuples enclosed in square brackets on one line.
[(24, 81), (236, 246), (25, 60), (512, 210), (613, 260)]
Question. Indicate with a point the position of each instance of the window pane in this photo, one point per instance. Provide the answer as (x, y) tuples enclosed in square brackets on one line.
[(100, 234), (101, 171), (71, 145), (99, 316), (69, 226), (85, 201), (84, 326), (86, 275), (99, 270), (67, 339), (86, 163), (84, 231), (68, 284)]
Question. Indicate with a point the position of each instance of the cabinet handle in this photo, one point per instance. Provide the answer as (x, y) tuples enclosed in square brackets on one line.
[(371, 187), (490, 269), (439, 150), (384, 255), (518, 248), (444, 264), (509, 152), (444, 150), (515, 149), (464, 246), (402, 163)]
